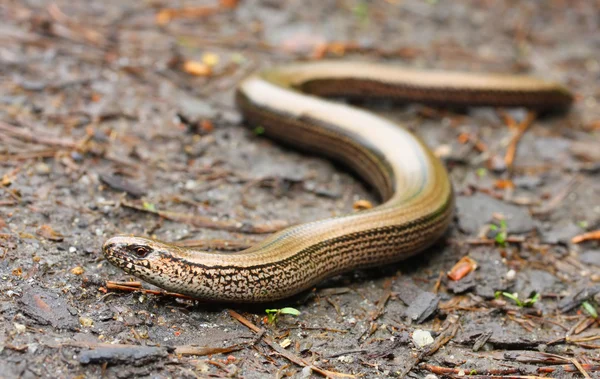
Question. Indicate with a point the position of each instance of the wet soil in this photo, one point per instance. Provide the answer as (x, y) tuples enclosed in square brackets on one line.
[(110, 106)]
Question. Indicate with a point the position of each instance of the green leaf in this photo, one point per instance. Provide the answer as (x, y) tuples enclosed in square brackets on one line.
[(272, 314), (590, 309), (290, 311), (149, 206), (361, 12), (530, 301), (271, 318), (481, 172), (238, 58), (522, 303), (501, 238), (502, 234), (513, 296), (503, 224), (583, 224), (259, 130)]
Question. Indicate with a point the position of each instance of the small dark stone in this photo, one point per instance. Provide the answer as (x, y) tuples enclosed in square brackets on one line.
[(482, 340), (527, 182), (135, 355), (121, 184), (105, 315), (465, 284), (76, 156), (573, 301), (47, 308), (561, 232), (476, 211), (591, 257), (497, 164), (422, 307)]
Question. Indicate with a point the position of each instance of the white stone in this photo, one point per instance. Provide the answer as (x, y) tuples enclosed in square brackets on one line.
[(422, 338)]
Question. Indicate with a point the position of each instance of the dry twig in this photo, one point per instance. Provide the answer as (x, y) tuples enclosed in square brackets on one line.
[(284, 353)]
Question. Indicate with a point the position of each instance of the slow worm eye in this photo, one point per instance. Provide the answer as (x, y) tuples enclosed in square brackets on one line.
[(141, 251)]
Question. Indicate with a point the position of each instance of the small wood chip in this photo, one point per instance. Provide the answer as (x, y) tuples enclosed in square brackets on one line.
[(47, 232), (197, 68), (361, 205), (462, 268), (595, 235)]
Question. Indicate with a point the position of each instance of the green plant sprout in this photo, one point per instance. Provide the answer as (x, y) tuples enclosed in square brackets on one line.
[(583, 224), (515, 297), (502, 234), (273, 314), (361, 12), (589, 309), (149, 206)]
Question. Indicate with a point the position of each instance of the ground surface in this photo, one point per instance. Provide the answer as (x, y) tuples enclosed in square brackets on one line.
[(99, 99)]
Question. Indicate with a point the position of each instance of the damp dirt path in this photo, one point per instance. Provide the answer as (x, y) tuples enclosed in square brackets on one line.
[(118, 117)]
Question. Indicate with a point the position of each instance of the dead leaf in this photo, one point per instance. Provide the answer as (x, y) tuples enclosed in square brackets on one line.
[(197, 68), (48, 233), (462, 268)]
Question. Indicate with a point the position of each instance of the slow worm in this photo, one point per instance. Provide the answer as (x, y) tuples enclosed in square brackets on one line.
[(416, 193)]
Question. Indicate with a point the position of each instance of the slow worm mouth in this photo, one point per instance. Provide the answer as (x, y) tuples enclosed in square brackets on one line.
[(113, 247), (116, 250), (108, 247)]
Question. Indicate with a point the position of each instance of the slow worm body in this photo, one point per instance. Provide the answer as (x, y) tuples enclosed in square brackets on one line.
[(417, 198)]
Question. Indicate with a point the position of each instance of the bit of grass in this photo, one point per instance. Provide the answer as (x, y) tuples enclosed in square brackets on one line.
[(238, 58), (149, 206), (259, 130), (515, 297), (481, 172), (361, 12), (501, 234), (273, 314), (583, 224), (590, 309)]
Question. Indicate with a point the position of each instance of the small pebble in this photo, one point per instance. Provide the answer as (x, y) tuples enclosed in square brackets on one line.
[(497, 164), (346, 359), (72, 249), (76, 156), (306, 372), (86, 322), (422, 338), (42, 168), (511, 274), (20, 328), (443, 151), (191, 184)]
